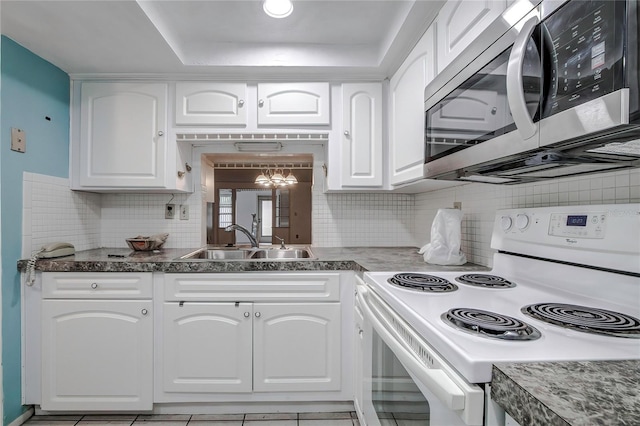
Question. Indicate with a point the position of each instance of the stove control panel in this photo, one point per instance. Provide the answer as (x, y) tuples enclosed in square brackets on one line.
[(578, 225)]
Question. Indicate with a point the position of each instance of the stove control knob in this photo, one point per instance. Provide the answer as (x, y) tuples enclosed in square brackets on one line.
[(522, 221), (506, 223)]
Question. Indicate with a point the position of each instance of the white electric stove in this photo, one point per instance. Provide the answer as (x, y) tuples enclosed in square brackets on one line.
[(565, 285)]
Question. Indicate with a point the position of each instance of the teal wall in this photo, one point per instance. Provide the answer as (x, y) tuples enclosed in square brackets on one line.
[(32, 90)]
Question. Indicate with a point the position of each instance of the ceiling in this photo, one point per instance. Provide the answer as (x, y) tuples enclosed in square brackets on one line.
[(329, 39)]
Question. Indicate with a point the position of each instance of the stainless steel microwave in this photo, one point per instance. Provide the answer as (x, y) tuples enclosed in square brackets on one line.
[(556, 95)]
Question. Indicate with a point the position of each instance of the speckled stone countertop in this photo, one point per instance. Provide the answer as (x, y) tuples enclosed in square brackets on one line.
[(569, 393), (167, 260)]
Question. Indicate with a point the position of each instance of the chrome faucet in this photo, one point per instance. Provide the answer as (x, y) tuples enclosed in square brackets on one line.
[(245, 231)]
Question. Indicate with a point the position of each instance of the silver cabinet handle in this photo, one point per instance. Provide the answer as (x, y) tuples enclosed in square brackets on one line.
[(261, 103), (247, 314), (144, 312), (241, 103), (346, 133), (257, 314), (94, 285), (160, 133)]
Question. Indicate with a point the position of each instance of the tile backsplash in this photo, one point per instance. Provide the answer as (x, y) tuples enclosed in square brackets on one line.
[(480, 202), (54, 213)]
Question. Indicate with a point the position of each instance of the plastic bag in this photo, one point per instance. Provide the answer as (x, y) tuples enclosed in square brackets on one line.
[(444, 248)]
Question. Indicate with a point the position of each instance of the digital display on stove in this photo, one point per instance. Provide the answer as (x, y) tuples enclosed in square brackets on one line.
[(575, 220)]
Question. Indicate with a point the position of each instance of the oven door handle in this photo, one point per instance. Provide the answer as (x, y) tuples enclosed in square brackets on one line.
[(445, 389)]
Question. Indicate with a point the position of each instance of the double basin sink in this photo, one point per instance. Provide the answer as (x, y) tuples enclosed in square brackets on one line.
[(250, 253)]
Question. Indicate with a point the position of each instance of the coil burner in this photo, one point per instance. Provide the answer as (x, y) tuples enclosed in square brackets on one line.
[(489, 324), (422, 282), (585, 319), (485, 280)]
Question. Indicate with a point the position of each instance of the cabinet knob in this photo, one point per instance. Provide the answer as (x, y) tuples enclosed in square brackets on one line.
[(494, 110), (261, 103), (160, 133), (257, 314), (144, 312), (247, 314), (241, 103), (346, 133), (360, 332), (94, 285)]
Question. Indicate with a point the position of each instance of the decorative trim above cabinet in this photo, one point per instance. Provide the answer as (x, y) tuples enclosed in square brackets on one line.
[(251, 137)]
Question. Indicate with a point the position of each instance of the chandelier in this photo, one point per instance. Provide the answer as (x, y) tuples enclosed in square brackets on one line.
[(275, 177)]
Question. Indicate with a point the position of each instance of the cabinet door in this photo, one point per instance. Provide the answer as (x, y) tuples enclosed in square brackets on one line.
[(296, 347), (207, 347), (407, 110), (293, 104), (460, 22), (97, 355), (362, 135), (206, 103), (123, 135)]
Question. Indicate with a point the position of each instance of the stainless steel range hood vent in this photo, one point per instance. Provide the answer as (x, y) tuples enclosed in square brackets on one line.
[(543, 165)]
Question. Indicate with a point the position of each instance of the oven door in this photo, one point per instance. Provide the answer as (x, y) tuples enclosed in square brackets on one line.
[(397, 386)]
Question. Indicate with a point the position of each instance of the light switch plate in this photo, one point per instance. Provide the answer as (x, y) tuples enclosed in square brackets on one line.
[(18, 140), (184, 211)]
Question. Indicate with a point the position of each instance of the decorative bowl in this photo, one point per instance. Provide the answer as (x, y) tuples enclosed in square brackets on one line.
[(141, 243)]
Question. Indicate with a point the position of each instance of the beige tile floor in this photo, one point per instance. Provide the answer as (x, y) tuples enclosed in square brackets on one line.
[(347, 418)]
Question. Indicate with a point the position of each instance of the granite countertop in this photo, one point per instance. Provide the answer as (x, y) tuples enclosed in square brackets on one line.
[(569, 393), (166, 260)]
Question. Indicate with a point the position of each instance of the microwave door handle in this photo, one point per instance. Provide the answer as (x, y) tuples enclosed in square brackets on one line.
[(435, 379), (515, 88)]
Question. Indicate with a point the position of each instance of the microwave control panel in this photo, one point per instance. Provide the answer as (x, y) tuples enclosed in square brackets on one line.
[(578, 225)]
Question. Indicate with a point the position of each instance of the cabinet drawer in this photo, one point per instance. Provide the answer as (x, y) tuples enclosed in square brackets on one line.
[(252, 287), (91, 285)]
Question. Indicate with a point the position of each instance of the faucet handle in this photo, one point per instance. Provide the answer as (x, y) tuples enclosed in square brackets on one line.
[(282, 246)]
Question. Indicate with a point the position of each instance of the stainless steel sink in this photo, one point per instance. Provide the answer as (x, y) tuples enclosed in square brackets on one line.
[(250, 253), (283, 254)]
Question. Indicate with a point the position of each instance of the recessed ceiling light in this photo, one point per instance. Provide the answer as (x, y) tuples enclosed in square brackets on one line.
[(278, 8)]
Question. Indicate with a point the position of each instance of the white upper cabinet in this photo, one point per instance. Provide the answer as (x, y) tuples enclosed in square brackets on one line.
[(361, 144), (211, 103), (122, 136), (406, 92), (121, 141), (460, 22), (293, 104)]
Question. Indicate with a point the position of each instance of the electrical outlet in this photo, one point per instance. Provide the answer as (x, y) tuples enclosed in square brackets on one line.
[(18, 140), (184, 212), (457, 205), (169, 211)]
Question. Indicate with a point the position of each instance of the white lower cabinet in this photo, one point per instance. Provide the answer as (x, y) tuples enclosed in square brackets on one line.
[(282, 335), (207, 347), (245, 347), (97, 355), (296, 347), (102, 342), (96, 341)]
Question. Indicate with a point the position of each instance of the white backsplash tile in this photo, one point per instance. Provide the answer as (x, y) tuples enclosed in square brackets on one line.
[(54, 213), (480, 201)]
